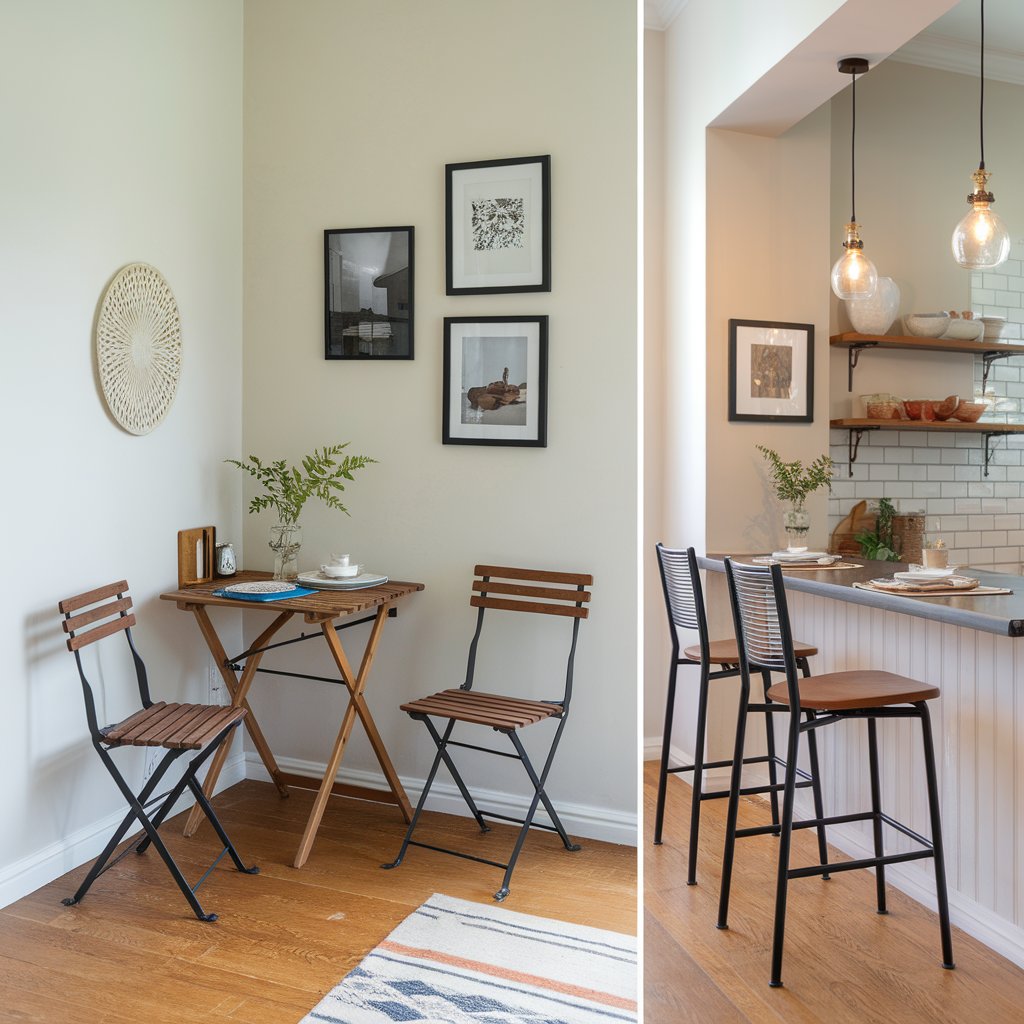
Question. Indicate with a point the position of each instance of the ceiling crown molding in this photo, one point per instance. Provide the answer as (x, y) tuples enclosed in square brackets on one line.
[(659, 14), (944, 53)]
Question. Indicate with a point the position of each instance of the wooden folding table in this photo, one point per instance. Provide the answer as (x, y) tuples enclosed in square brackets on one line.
[(322, 609)]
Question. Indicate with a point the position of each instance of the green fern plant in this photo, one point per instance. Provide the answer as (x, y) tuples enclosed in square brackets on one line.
[(793, 481), (287, 488)]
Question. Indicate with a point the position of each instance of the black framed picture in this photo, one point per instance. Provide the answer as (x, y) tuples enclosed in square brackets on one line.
[(495, 380), (498, 226), (771, 371), (368, 293)]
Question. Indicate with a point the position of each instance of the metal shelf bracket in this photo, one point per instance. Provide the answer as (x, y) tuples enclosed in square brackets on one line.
[(853, 444), (853, 357), (988, 452), (987, 359)]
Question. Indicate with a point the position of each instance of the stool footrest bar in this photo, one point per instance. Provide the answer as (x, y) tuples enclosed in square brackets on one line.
[(854, 865)]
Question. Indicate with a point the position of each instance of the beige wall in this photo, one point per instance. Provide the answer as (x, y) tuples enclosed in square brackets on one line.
[(351, 112), (122, 143)]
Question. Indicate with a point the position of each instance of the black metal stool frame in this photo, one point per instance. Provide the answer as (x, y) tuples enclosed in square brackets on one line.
[(139, 803), (759, 592), (684, 602), (538, 780)]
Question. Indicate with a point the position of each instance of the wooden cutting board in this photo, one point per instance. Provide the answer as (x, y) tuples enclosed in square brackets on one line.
[(859, 520)]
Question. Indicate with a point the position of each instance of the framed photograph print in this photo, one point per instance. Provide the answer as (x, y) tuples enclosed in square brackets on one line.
[(368, 293), (498, 226), (771, 371), (495, 380)]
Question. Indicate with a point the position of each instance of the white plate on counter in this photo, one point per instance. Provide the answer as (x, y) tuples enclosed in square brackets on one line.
[(319, 581), (919, 574), (800, 556)]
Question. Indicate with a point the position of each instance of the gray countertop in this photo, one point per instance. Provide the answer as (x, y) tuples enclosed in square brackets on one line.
[(997, 613)]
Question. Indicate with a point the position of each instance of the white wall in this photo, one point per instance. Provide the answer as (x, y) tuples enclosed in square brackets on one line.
[(351, 112), (122, 141)]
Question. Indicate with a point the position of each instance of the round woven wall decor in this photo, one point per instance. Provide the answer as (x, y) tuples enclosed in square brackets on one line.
[(138, 347)]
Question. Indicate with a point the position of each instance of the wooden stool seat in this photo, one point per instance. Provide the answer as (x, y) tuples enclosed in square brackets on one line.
[(172, 726), (844, 691), (483, 709), (725, 652)]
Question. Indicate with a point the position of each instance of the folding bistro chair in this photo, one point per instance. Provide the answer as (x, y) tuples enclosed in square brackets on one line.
[(560, 593), (176, 728)]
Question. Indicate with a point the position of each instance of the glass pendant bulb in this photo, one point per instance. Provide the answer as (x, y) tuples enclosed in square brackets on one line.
[(981, 241), (854, 276)]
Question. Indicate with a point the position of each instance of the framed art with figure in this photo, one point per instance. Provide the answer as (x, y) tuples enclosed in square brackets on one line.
[(771, 371), (495, 380)]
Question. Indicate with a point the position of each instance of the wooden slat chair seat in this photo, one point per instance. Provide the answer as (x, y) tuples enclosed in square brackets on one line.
[(175, 728), (725, 652), (501, 588), (761, 618)]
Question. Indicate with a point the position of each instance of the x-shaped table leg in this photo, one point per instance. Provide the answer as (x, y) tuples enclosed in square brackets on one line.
[(238, 687), (355, 684)]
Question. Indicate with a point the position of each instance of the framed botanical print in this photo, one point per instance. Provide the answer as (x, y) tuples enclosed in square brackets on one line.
[(495, 380), (771, 371), (498, 226)]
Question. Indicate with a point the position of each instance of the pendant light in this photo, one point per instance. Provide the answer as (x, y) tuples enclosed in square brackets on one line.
[(981, 241), (854, 275)]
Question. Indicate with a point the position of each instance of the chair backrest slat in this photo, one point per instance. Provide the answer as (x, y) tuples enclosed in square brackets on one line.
[(90, 636), (71, 604), (93, 614), (537, 607), (522, 590), (576, 579), (683, 596)]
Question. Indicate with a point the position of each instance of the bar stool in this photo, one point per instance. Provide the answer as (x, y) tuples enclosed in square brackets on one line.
[(761, 617), (684, 602)]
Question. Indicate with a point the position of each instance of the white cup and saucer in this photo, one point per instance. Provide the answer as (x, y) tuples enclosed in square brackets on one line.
[(340, 567)]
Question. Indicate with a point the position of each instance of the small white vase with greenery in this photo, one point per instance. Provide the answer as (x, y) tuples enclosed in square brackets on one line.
[(286, 489), (793, 483)]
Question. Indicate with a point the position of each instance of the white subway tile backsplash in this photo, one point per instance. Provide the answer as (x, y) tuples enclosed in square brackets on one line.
[(1006, 522), (896, 455), (954, 456), (929, 456), (994, 281), (981, 523), (927, 489), (915, 473), (1008, 298), (967, 539), (941, 507), (894, 489), (967, 472), (959, 490), (880, 471), (994, 506)]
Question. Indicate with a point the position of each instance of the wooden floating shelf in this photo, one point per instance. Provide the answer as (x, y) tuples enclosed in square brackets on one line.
[(987, 430), (988, 349)]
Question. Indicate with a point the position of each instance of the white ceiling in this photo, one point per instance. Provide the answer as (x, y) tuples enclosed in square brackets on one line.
[(950, 43)]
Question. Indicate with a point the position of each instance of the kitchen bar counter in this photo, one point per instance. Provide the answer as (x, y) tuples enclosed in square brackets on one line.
[(969, 648), (999, 613)]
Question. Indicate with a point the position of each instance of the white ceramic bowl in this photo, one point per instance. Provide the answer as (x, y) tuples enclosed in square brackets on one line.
[(926, 325), (994, 326), (964, 330), (339, 571)]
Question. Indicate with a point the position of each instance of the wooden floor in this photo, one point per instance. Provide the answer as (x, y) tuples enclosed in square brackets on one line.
[(843, 962), (132, 951)]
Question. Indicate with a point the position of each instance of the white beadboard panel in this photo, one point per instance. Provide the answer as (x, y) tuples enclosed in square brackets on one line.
[(978, 725)]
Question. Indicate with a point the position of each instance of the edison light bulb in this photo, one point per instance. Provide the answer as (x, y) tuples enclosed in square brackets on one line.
[(981, 241), (854, 275)]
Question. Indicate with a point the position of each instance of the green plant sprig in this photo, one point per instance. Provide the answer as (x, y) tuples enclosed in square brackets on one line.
[(793, 482), (287, 489), (878, 543)]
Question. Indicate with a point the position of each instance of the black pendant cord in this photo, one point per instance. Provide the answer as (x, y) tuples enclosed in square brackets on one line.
[(853, 151), (981, 111)]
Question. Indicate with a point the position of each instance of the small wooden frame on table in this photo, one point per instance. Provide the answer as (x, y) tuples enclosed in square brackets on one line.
[(498, 226), (495, 380), (368, 293), (771, 371)]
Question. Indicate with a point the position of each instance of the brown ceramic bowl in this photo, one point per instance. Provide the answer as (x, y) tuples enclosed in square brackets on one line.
[(969, 412), (918, 409), (944, 409), (883, 410)]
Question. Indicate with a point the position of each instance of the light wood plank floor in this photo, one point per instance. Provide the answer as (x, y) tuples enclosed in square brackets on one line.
[(132, 951), (844, 963)]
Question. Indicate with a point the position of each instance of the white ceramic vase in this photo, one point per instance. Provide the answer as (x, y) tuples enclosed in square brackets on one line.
[(876, 314)]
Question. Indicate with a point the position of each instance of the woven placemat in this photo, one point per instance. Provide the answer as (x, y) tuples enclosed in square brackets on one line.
[(945, 592)]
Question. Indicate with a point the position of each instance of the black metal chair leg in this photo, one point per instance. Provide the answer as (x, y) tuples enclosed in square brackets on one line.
[(197, 792), (785, 841), (876, 811), (769, 733), (419, 805), (666, 743), (442, 745), (546, 802), (942, 899), (698, 775), (819, 804), (734, 804)]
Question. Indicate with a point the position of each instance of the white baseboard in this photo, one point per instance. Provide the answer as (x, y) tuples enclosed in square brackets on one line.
[(579, 819), (714, 778), (43, 866)]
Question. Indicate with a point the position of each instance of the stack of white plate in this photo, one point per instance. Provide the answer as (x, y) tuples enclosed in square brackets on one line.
[(319, 581)]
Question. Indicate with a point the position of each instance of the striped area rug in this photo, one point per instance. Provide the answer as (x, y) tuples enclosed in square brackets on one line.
[(455, 962)]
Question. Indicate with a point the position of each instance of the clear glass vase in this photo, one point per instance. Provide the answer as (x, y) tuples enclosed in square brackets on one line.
[(797, 523), (285, 541)]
